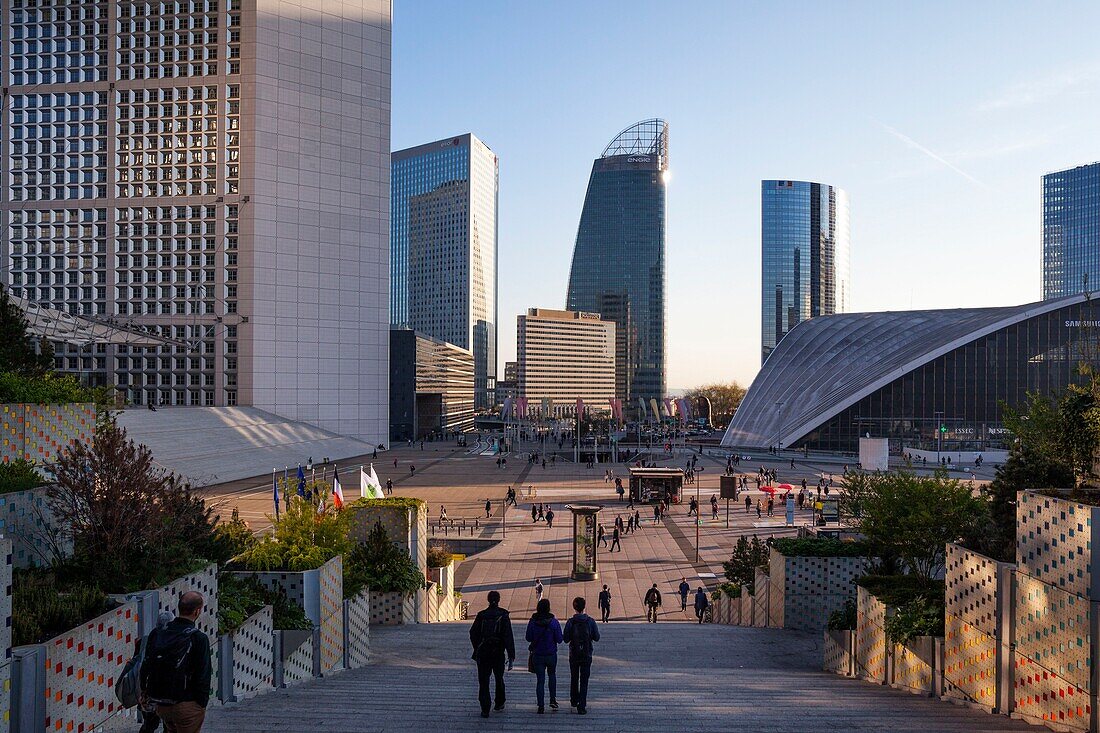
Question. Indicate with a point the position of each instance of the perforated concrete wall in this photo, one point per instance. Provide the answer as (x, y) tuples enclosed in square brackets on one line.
[(39, 432), (760, 600), (1053, 541), (806, 590), (391, 609), (358, 629), (913, 665), (81, 668), (331, 614), (838, 652), (5, 634), (253, 655), (26, 519), (971, 627), (298, 666), (204, 581), (870, 637)]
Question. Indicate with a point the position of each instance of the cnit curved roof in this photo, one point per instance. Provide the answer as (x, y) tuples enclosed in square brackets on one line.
[(648, 137), (827, 364)]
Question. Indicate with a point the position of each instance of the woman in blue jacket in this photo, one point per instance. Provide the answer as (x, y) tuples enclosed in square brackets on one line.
[(544, 633)]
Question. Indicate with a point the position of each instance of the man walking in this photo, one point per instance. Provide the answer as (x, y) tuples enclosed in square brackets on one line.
[(615, 540), (652, 603), (491, 637), (605, 604), (538, 590), (684, 590), (176, 672), (549, 518), (580, 632), (601, 536), (701, 603), (488, 508)]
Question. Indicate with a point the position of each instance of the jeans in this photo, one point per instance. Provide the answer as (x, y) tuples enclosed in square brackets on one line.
[(651, 613), (485, 667), (699, 612), (605, 613), (579, 669), (546, 665)]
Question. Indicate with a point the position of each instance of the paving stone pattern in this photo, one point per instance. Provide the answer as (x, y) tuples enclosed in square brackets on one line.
[(670, 677)]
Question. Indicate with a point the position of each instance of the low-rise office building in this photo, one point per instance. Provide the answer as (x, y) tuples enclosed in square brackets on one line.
[(564, 356), (431, 386)]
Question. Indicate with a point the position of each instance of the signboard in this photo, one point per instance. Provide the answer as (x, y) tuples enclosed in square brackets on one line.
[(830, 510), (790, 510), (584, 542), (728, 487)]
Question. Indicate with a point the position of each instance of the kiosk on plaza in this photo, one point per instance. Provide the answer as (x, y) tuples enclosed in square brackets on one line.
[(650, 485), (584, 541)]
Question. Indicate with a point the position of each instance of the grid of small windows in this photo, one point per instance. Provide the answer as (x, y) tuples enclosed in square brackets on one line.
[(57, 41), (232, 220), (167, 142), (167, 40), (58, 258), (165, 260), (233, 139), (169, 375), (233, 48), (58, 146)]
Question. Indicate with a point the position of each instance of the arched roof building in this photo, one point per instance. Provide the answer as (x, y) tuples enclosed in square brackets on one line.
[(905, 375)]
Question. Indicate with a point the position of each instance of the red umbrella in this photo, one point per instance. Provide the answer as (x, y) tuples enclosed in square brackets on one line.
[(788, 487), (768, 489)]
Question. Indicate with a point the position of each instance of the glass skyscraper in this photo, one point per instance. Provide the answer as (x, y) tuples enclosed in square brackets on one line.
[(443, 249), (805, 249), (618, 266), (1071, 231)]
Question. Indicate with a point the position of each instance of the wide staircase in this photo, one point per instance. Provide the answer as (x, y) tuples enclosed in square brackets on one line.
[(656, 677)]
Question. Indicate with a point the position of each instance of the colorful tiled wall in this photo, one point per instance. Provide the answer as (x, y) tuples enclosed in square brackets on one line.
[(26, 519), (81, 668), (39, 432), (392, 609), (971, 628), (913, 665), (358, 629), (1053, 541), (838, 651), (870, 637), (331, 603)]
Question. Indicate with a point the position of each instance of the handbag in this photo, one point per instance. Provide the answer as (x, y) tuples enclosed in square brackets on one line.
[(531, 655)]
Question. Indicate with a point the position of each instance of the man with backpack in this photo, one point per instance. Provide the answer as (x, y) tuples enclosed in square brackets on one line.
[(580, 632), (175, 674), (491, 636), (652, 603)]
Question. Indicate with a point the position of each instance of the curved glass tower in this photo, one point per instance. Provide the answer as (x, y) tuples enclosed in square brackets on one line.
[(619, 259)]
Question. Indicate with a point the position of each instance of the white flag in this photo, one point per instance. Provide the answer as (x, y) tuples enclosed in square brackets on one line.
[(369, 486)]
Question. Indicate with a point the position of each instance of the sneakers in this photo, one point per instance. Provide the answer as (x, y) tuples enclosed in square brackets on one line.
[(554, 704), (498, 707), (582, 711), (541, 711)]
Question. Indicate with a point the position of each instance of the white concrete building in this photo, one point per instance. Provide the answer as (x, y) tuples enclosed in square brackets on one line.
[(564, 356), (217, 170)]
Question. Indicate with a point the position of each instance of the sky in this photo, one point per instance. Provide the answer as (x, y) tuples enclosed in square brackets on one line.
[(937, 118)]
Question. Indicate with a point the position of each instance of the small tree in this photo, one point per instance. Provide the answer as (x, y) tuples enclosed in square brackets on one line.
[(381, 565), (308, 533), (746, 557), (910, 518), (17, 346)]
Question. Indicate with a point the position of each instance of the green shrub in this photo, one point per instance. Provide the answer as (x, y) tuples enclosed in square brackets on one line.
[(746, 557), (897, 590), (922, 616), (728, 590), (843, 618), (19, 475), (818, 547), (438, 557), (380, 565), (405, 502), (48, 388), (309, 533), (42, 607), (239, 598)]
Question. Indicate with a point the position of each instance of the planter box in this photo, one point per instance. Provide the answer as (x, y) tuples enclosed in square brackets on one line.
[(294, 656), (248, 658), (913, 666), (806, 590), (839, 657), (747, 611), (727, 611), (392, 609), (320, 593), (357, 614), (760, 588), (872, 655)]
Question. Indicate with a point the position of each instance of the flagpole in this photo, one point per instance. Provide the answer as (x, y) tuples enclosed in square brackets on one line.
[(275, 489)]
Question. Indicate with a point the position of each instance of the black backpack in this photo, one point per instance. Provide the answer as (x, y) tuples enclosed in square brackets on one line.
[(492, 640), (164, 668), (580, 640)]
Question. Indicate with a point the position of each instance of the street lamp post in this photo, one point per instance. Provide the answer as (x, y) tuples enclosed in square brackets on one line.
[(939, 435), (779, 438), (698, 480)]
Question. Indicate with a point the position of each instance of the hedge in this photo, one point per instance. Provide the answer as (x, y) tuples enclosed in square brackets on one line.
[(818, 547), (46, 389)]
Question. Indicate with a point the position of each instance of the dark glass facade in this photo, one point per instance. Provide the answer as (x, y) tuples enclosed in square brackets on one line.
[(804, 245), (1071, 231), (964, 389), (618, 265)]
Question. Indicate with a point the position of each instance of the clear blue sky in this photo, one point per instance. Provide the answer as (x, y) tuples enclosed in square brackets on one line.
[(938, 118)]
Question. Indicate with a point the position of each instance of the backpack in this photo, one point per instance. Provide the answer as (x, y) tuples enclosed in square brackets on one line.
[(164, 668), (580, 640), (128, 684), (492, 641)]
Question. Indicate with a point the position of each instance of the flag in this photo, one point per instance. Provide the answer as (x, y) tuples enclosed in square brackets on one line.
[(275, 491), (301, 482), (521, 407), (506, 412), (337, 490), (369, 486), (656, 410), (668, 406)]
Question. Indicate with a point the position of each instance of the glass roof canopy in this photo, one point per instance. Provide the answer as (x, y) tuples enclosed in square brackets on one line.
[(648, 137)]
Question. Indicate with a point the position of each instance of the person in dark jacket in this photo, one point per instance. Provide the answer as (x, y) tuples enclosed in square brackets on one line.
[(491, 637), (684, 590), (149, 719), (701, 603), (186, 710), (544, 634), (652, 603), (580, 632), (605, 604)]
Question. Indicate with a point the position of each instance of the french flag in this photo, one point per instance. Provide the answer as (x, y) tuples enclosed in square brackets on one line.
[(337, 489)]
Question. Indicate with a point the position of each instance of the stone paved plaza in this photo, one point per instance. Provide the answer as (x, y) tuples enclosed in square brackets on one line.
[(672, 677)]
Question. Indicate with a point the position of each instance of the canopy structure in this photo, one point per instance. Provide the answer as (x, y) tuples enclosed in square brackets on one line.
[(53, 324), (648, 137)]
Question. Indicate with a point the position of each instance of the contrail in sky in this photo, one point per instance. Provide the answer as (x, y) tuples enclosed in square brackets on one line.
[(931, 154)]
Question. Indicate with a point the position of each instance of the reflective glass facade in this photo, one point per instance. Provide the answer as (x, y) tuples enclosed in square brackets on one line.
[(964, 389), (804, 256), (618, 265), (443, 248), (1071, 231)]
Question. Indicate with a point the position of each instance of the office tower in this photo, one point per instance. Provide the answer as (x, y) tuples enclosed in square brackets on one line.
[(804, 251), (443, 265), (1071, 231), (431, 386), (618, 266), (565, 356), (216, 172)]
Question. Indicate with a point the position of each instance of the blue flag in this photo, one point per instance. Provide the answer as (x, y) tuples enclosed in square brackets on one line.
[(301, 482), (275, 491)]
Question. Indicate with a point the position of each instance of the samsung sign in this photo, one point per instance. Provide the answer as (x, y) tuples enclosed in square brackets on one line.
[(1082, 324)]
